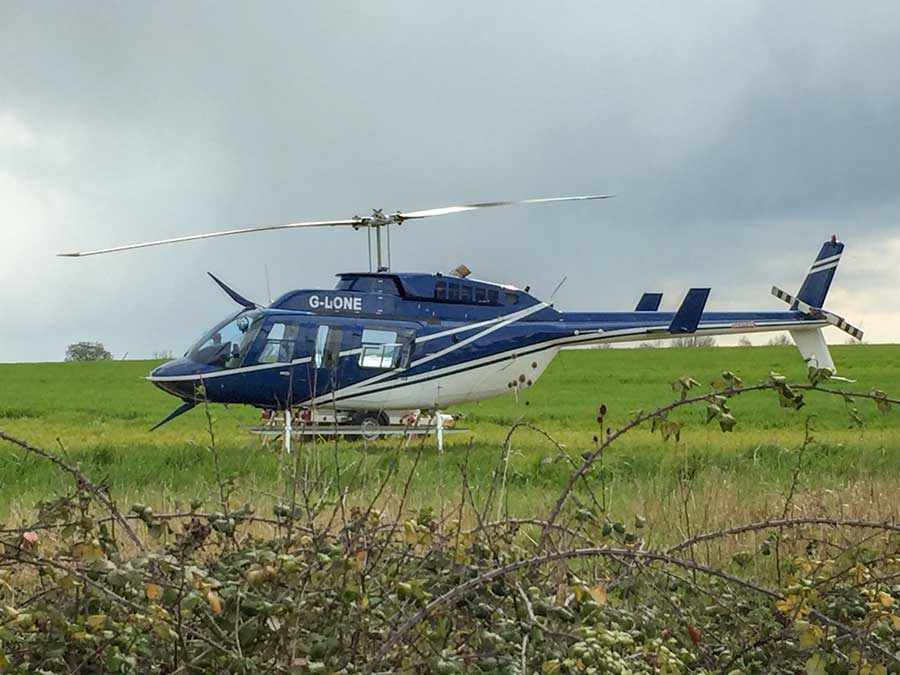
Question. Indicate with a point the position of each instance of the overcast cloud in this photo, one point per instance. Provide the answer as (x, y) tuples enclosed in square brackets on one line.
[(737, 136)]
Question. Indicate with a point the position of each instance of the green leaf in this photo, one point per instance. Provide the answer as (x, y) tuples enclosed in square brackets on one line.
[(684, 384), (816, 375), (732, 379), (881, 401), (815, 665), (727, 422)]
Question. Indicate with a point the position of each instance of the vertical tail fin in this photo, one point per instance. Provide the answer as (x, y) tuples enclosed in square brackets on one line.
[(813, 349), (818, 281)]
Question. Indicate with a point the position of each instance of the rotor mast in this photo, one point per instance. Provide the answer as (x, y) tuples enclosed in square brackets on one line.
[(377, 221)]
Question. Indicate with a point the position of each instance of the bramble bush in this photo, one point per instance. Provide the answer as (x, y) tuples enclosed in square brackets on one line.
[(337, 582)]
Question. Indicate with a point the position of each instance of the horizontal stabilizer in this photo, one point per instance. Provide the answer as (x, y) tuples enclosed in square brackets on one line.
[(687, 318), (649, 302), (818, 313)]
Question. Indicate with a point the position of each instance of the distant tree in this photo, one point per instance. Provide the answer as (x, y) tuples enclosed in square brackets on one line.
[(744, 341), (780, 340), (694, 341), (164, 354), (87, 351)]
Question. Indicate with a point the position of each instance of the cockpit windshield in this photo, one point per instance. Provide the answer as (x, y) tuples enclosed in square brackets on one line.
[(227, 344)]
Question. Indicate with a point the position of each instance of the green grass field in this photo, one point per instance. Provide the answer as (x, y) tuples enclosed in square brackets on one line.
[(100, 413)]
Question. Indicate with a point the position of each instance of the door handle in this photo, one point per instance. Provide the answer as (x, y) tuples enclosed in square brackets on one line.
[(286, 373)]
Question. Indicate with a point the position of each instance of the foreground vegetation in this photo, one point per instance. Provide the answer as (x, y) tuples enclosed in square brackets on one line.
[(100, 414), (341, 571)]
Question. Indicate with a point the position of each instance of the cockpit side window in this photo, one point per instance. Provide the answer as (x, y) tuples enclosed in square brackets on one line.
[(227, 344), (328, 347), (279, 346)]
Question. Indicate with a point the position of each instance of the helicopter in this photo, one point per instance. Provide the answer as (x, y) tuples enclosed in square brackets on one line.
[(382, 340)]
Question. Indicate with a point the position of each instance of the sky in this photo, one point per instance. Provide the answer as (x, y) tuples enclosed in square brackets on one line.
[(737, 137)]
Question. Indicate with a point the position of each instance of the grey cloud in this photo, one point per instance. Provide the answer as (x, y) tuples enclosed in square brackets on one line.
[(737, 136)]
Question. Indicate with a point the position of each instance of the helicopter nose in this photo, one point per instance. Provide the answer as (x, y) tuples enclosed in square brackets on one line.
[(180, 378)]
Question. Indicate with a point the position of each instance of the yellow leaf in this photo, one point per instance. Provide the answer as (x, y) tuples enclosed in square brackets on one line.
[(215, 602), (599, 594), (788, 604), (87, 551), (96, 620), (410, 534), (810, 636), (885, 599), (154, 591), (358, 561)]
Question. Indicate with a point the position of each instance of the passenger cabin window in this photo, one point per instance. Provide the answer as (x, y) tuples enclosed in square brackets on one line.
[(328, 347), (279, 346), (460, 292), (380, 349)]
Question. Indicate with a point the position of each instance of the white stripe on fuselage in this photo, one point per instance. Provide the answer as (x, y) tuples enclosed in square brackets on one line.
[(348, 352), (366, 387), (504, 321), (227, 371)]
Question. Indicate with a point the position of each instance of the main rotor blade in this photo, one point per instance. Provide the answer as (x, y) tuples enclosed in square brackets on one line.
[(447, 210), (225, 233)]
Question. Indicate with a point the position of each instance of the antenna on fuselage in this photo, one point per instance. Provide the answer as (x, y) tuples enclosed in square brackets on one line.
[(558, 286), (268, 285), (376, 221)]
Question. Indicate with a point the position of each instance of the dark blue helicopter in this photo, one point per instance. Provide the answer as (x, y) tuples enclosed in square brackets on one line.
[(398, 341)]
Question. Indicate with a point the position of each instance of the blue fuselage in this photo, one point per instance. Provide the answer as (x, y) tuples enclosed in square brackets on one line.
[(394, 341)]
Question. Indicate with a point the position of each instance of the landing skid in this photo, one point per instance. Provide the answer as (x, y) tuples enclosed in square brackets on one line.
[(327, 432), (287, 427)]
